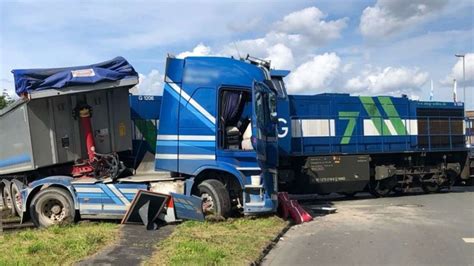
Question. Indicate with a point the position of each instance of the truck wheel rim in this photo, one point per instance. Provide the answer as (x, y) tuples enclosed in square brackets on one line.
[(8, 199), (53, 210), (17, 198), (207, 203)]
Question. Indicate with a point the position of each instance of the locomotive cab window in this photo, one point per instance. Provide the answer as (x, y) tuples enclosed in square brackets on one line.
[(235, 112)]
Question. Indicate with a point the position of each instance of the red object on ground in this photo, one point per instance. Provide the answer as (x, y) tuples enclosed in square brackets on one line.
[(282, 205), (292, 208), (299, 214)]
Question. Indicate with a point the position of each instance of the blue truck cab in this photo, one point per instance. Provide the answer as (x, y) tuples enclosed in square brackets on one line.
[(207, 104)]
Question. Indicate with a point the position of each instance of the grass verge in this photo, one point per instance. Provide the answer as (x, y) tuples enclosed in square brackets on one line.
[(55, 245), (234, 241)]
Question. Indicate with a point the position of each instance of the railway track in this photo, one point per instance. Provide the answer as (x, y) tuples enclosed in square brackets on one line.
[(10, 224)]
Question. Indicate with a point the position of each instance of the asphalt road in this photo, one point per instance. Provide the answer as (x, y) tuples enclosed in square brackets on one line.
[(417, 229)]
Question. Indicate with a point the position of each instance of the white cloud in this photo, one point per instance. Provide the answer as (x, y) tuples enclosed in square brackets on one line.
[(314, 75), (199, 50), (387, 17), (281, 57), (390, 80), (309, 24), (151, 84), (457, 71), (300, 32), (255, 47)]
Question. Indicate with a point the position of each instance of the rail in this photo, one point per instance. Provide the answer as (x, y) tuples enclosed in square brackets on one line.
[(9, 224)]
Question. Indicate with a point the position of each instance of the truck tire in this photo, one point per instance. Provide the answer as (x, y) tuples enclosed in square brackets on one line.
[(8, 200), (16, 198), (216, 200), (52, 206)]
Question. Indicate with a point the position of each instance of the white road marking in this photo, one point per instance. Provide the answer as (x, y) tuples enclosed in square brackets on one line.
[(468, 240)]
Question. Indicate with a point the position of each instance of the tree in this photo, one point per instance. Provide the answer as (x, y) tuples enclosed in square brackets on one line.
[(3, 102), (5, 99)]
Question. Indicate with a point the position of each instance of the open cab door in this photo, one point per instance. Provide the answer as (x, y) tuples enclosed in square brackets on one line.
[(264, 126), (265, 142)]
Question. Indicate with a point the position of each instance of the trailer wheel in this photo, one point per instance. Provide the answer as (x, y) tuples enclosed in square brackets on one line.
[(16, 198), (52, 206), (8, 200), (216, 200)]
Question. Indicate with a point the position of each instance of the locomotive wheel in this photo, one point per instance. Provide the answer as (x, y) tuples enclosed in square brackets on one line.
[(215, 198), (380, 188), (430, 187), (398, 190), (52, 206), (452, 177)]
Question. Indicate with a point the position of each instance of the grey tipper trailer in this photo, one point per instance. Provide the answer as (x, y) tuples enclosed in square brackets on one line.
[(40, 132)]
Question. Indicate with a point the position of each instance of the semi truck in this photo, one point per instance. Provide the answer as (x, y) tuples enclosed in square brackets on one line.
[(335, 142), (63, 142)]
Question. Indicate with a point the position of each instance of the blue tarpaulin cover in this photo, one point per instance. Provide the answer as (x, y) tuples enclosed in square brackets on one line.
[(29, 80)]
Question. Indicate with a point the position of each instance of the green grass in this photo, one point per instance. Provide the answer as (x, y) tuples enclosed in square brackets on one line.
[(55, 245), (234, 242)]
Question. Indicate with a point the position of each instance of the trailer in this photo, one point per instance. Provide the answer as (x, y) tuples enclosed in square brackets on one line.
[(63, 143)]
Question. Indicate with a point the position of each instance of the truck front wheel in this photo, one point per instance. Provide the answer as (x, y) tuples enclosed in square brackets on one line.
[(52, 206), (215, 198)]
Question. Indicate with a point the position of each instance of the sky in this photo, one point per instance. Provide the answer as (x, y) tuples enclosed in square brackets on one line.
[(367, 47)]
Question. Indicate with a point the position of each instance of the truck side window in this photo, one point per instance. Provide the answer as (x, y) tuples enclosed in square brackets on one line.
[(234, 117)]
